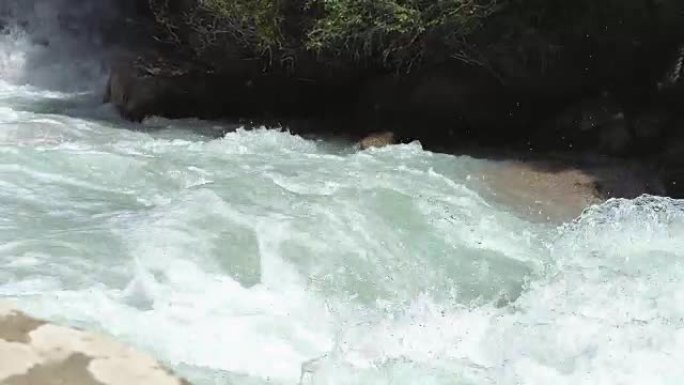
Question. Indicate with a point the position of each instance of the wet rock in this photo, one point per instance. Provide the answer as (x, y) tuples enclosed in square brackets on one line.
[(594, 124), (165, 85), (146, 86), (649, 129), (36, 352), (539, 193), (672, 168), (614, 138), (559, 190), (380, 139), (650, 125), (438, 106)]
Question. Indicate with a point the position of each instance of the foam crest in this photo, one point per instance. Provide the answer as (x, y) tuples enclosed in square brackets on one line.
[(609, 311)]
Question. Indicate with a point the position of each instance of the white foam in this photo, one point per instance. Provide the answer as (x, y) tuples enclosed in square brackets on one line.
[(343, 294), (275, 259), (240, 275)]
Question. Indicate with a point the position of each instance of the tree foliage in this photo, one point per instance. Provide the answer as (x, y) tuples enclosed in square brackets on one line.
[(401, 33), (394, 32), (256, 22)]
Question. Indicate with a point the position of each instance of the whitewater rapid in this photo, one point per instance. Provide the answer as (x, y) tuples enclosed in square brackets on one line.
[(259, 257)]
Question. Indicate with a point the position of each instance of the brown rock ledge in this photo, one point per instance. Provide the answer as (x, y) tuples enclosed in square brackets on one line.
[(36, 352)]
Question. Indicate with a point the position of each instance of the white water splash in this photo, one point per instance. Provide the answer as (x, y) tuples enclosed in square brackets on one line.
[(261, 257)]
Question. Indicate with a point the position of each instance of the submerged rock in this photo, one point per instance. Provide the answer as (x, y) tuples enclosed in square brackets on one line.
[(379, 139), (559, 190), (36, 352)]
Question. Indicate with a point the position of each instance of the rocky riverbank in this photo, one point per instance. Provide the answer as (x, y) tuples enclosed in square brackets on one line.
[(616, 91), (432, 107), (544, 78), (36, 352)]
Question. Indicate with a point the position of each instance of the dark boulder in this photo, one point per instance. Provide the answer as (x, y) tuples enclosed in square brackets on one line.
[(441, 106), (166, 85), (672, 167), (594, 124), (145, 87)]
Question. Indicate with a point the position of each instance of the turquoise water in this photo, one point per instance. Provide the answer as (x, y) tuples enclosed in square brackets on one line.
[(259, 257)]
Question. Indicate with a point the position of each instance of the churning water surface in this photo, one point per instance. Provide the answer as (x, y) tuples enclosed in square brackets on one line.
[(264, 258)]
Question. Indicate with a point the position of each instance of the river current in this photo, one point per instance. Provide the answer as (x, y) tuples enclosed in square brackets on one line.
[(260, 257)]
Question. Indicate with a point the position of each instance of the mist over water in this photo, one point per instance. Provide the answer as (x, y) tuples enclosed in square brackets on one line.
[(264, 258), (54, 44)]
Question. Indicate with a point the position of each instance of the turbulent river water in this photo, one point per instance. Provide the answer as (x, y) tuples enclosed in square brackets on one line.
[(260, 257)]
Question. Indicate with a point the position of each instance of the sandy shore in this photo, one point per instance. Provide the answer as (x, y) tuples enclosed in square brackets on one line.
[(34, 352)]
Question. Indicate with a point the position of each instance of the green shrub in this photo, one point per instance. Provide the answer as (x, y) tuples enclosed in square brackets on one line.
[(392, 32), (400, 33), (256, 23)]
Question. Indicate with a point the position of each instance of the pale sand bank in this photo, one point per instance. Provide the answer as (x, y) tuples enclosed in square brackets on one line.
[(36, 352)]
